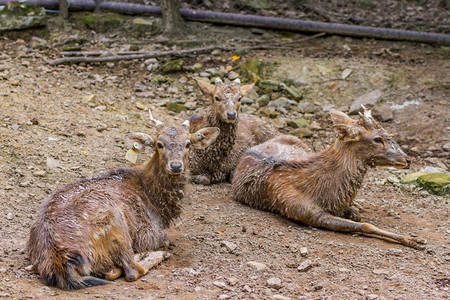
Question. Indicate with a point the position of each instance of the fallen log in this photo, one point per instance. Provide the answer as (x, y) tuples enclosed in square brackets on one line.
[(257, 21)]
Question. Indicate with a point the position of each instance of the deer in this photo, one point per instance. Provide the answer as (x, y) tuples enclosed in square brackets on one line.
[(238, 132), (318, 189), (90, 232)]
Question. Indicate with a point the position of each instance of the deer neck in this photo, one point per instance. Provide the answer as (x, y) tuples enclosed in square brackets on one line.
[(163, 191)]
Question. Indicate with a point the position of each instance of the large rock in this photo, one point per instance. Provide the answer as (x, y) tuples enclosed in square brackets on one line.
[(101, 22), (435, 183), (18, 15), (250, 69), (368, 100)]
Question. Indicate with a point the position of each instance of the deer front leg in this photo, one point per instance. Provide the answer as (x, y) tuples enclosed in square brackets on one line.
[(353, 214), (331, 222), (201, 179)]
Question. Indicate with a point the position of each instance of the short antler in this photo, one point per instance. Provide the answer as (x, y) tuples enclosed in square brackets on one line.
[(237, 82), (155, 122), (185, 125), (218, 81), (367, 116)]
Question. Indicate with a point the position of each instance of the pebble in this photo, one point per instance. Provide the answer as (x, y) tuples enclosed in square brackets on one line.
[(29, 268), (274, 283), (233, 75), (40, 173), (140, 106), (224, 296), (246, 289), (396, 252), (232, 281), (393, 179), (9, 216), (220, 284), (371, 297), (303, 251), (230, 246), (446, 147), (280, 297), (257, 266), (25, 184), (380, 271), (305, 266)]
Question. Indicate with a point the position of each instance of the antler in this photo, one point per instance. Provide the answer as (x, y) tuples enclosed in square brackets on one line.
[(367, 117), (155, 122), (218, 81), (237, 82), (185, 125)]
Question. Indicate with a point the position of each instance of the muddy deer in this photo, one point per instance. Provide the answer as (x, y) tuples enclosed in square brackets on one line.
[(91, 229), (238, 132), (318, 189)]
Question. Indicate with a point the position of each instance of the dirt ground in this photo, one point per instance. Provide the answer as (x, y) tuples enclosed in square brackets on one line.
[(62, 123)]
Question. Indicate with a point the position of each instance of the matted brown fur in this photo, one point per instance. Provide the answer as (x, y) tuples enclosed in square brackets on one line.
[(318, 189), (238, 132), (92, 228)]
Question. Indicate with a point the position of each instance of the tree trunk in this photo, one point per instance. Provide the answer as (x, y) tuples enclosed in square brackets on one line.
[(64, 9), (174, 25)]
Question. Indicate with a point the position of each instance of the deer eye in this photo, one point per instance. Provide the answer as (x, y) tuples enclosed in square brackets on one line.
[(159, 145), (188, 144), (216, 99), (378, 140), (239, 99)]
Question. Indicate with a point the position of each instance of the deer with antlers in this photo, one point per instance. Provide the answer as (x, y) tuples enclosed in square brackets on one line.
[(91, 229), (318, 189), (238, 132)]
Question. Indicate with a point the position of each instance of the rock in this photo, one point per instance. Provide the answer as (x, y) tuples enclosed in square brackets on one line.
[(29, 268), (301, 122), (303, 251), (371, 297), (146, 94), (224, 296), (302, 132), (220, 284), (52, 163), (412, 177), (368, 100), (393, 179), (380, 271), (229, 246), (98, 22), (143, 26), (435, 183), (38, 43), (197, 67), (446, 147), (282, 102), (260, 267), (396, 252), (9, 216), (305, 266), (250, 69), (382, 113), (263, 100), (346, 73), (25, 184), (294, 93), (18, 16), (274, 283), (429, 169), (232, 281), (280, 297), (269, 86), (173, 66), (328, 107), (39, 173), (246, 100), (291, 123), (141, 106), (270, 113), (216, 52), (306, 107), (175, 107), (233, 75), (246, 289)]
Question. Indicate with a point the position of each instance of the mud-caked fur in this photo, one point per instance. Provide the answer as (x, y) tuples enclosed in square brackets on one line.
[(92, 228), (318, 189), (218, 162)]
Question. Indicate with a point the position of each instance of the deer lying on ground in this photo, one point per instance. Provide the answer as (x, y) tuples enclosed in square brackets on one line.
[(318, 189), (238, 132), (93, 227)]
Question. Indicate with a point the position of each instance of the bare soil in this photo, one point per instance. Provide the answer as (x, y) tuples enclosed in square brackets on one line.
[(49, 116)]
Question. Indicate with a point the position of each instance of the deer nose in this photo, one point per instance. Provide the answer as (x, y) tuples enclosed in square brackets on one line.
[(408, 162), (176, 167), (231, 115)]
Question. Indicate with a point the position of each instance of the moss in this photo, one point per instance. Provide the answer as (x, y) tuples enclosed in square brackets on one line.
[(435, 183), (250, 69), (175, 107), (99, 22), (173, 66)]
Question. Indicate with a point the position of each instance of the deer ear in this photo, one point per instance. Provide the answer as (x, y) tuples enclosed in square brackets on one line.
[(246, 88), (344, 125), (206, 88), (139, 141), (204, 137)]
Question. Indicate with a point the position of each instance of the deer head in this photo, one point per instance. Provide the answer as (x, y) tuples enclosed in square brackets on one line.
[(172, 144), (372, 142), (226, 98)]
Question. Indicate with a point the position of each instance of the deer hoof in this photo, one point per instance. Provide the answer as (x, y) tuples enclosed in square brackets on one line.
[(353, 214), (417, 243)]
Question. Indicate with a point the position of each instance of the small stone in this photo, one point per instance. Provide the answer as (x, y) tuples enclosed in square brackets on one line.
[(303, 251), (263, 100), (220, 284), (29, 268), (280, 297), (380, 271), (40, 173), (246, 289), (216, 52), (318, 287), (224, 296), (9, 216), (446, 147), (257, 266), (328, 107), (198, 288), (291, 123), (382, 113), (25, 184), (346, 73), (368, 100), (101, 127), (274, 283), (197, 67), (229, 246), (371, 297), (306, 107), (302, 132), (294, 93), (173, 66), (110, 64), (141, 106), (396, 252), (232, 281), (343, 270), (233, 75), (100, 108), (393, 179), (175, 107), (305, 266)]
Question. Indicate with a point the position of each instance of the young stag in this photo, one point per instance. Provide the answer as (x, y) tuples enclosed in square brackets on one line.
[(92, 228), (238, 132), (318, 189)]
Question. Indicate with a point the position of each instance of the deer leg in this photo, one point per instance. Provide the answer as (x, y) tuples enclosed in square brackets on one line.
[(201, 179), (148, 260), (353, 214), (113, 274), (329, 221)]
